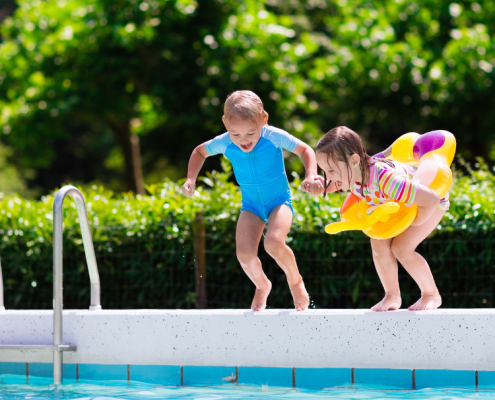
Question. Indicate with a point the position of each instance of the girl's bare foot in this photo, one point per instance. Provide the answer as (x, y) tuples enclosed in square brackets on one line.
[(427, 302), (260, 296), (389, 303), (300, 296)]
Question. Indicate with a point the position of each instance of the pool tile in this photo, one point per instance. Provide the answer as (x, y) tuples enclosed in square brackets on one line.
[(486, 379), (319, 378), (266, 376), (103, 372), (41, 369), (159, 374), (69, 372), (207, 375), (13, 368), (429, 378), (397, 378)]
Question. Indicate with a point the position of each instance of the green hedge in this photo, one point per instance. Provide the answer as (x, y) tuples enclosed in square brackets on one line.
[(145, 256)]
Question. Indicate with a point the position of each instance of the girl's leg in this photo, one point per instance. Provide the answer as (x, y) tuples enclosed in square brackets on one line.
[(248, 235), (404, 246), (388, 271), (279, 223)]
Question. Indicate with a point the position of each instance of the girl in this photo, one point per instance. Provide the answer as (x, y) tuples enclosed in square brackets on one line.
[(343, 159), (255, 151)]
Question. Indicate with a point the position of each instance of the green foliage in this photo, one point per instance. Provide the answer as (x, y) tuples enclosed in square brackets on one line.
[(144, 248), (99, 68), (388, 67), (78, 78)]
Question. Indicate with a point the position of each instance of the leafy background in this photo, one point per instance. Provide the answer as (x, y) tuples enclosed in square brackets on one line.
[(118, 92), (144, 248)]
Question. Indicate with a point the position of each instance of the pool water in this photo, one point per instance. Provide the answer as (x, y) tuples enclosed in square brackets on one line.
[(41, 388)]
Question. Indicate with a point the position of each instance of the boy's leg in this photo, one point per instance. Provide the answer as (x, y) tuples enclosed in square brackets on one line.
[(388, 271), (248, 235), (404, 246), (279, 223)]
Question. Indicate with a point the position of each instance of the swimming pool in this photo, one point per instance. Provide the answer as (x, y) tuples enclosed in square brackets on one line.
[(90, 390), (279, 348)]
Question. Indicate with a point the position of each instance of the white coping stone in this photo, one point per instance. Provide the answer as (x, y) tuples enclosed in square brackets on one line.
[(459, 339)]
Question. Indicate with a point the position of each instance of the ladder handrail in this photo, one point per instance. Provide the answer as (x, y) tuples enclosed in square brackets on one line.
[(58, 229), (86, 237)]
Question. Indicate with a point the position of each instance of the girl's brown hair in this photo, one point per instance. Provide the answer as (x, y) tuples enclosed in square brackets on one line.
[(339, 144)]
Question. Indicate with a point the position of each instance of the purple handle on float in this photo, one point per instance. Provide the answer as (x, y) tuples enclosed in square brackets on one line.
[(428, 142)]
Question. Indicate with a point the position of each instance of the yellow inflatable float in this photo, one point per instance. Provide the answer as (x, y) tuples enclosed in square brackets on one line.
[(433, 153)]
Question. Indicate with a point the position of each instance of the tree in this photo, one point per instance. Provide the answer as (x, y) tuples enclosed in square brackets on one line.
[(110, 83), (133, 69), (388, 67)]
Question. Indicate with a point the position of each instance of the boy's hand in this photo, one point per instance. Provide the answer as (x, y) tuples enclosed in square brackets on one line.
[(189, 188), (312, 185), (332, 186)]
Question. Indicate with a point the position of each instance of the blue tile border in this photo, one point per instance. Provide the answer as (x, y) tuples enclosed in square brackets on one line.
[(168, 375), (320, 378), (13, 368), (208, 375), (486, 379), (103, 372), (310, 378), (70, 372), (13, 373), (430, 378), (390, 378), (266, 376), (43, 370)]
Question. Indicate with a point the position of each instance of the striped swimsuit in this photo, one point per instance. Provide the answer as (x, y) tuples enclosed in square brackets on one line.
[(392, 183)]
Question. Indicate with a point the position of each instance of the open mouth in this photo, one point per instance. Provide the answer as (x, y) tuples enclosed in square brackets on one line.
[(246, 146)]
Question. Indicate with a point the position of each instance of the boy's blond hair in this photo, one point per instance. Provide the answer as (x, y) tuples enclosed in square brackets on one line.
[(244, 104)]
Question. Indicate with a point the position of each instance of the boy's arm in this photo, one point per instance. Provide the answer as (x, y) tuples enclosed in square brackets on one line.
[(198, 157), (427, 201), (310, 183)]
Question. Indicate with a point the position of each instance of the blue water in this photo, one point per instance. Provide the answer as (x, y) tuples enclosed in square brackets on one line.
[(40, 388)]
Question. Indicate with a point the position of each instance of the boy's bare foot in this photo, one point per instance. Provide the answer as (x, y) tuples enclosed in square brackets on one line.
[(300, 296), (260, 296), (427, 302), (389, 303)]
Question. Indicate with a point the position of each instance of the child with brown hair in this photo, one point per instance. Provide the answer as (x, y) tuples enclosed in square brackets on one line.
[(255, 151), (347, 166)]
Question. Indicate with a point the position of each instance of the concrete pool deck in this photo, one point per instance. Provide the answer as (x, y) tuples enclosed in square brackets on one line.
[(447, 339)]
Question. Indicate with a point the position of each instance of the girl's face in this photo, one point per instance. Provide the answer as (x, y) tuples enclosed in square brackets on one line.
[(340, 173), (244, 133)]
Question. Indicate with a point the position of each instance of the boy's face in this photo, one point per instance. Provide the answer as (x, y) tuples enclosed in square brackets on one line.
[(244, 133), (338, 171)]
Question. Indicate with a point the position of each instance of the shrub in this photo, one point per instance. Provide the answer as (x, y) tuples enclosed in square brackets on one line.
[(144, 248)]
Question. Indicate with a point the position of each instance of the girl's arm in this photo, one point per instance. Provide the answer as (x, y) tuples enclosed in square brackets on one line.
[(196, 161), (310, 183), (427, 201)]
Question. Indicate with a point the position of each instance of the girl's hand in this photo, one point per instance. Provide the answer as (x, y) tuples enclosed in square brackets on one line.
[(312, 185), (427, 201), (189, 188)]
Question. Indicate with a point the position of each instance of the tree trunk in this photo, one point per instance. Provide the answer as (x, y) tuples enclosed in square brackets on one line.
[(132, 154)]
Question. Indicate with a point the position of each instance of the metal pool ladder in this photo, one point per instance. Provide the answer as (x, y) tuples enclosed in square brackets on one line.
[(58, 347)]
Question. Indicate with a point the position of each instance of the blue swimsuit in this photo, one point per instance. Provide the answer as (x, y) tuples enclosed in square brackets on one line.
[(261, 172)]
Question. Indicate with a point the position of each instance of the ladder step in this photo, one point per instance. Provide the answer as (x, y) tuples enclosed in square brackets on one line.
[(38, 347)]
